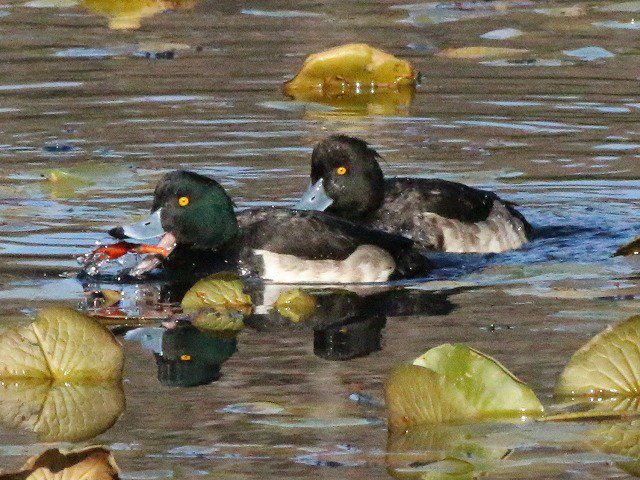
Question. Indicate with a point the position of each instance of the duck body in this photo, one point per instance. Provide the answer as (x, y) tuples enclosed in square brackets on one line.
[(293, 246), (448, 216), (200, 229), (346, 180)]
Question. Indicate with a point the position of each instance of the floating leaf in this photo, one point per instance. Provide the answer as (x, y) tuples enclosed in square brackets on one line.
[(632, 248), (620, 439), (59, 412), (455, 383), (61, 344), (128, 14), (218, 290), (296, 305), (608, 365), (481, 52), (92, 463), (219, 320), (350, 69)]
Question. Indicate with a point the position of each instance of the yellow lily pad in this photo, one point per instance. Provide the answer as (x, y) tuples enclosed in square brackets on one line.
[(128, 14), (454, 383), (349, 70), (479, 52), (219, 320), (61, 411), (296, 305), (220, 290), (608, 365), (92, 463), (61, 344), (631, 248)]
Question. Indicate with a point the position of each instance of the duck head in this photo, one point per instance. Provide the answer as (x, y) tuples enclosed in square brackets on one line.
[(188, 209), (346, 178)]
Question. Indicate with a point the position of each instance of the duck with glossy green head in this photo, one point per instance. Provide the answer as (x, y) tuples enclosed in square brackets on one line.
[(346, 180), (193, 212)]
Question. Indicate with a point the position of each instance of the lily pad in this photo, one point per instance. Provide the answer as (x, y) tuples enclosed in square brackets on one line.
[(62, 345), (61, 411), (128, 14), (218, 290), (632, 248), (479, 52), (620, 439), (349, 70), (296, 305), (92, 463), (608, 365), (453, 383), (219, 320)]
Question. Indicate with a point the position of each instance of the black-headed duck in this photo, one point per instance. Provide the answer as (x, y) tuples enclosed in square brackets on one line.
[(346, 180)]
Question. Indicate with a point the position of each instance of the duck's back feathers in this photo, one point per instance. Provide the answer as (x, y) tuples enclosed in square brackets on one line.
[(449, 216)]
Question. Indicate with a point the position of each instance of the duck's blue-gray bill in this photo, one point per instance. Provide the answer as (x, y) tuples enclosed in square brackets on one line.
[(315, 198), (148, 228)]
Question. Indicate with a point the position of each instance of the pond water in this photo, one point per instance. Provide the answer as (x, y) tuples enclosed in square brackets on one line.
[(119, 93)]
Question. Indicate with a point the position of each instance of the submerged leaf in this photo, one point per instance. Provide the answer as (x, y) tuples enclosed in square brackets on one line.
[(350, 69), (218, 290), (632, 248), (481, 52), (455, 383), (92, 463), (59, 412), (608, 365), (296, 305), (61, 344)]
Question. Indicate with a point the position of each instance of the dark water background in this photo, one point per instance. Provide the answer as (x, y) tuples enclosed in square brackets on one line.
[(555, 132)]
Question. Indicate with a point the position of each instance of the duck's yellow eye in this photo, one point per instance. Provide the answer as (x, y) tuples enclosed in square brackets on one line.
[(183, 201), (185, 357), (341, 170)]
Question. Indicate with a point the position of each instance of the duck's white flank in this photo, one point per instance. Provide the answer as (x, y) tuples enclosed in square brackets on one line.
[(367, 263), (501, 231)]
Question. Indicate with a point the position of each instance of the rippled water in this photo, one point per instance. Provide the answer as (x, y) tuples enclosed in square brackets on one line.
[(199, 87)]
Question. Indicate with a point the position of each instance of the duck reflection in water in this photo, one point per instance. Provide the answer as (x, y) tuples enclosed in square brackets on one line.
[(197, 339), (185, 355)]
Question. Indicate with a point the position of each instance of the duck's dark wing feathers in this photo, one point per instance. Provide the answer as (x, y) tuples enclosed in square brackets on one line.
[(310, 235), (447, 199)]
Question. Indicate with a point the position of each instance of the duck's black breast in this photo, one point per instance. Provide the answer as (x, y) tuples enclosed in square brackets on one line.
[(447, 199)]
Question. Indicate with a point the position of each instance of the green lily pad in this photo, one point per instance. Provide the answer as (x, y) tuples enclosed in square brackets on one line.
[(62, 345), (221, 290), (454, 383), (61, 411), (608, 365)]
